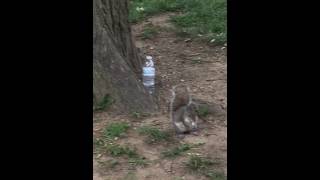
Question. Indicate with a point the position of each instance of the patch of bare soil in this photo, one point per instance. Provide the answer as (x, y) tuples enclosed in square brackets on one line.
[(177, 60)]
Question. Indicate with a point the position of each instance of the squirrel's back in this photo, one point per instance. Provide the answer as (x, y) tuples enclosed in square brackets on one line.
[(180, 96)]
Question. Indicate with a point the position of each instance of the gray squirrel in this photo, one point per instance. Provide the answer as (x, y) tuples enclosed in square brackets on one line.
[(183, 112)]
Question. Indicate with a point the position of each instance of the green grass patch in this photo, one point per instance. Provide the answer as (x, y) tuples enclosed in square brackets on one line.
[(138, 161), (203, 166), (110, 164), (134, 159), (179, 150), (105, 103), (176, 151), (197, 163), (117, 150), (116, 129), (140, 9), (206, 19), (149, 32), (154, 135), (203, 111)]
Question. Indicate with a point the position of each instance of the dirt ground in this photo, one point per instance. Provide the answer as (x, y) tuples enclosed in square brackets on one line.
[(178, 60)]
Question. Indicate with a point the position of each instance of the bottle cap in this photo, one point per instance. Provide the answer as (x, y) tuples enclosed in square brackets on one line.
[(149, 62), (149, 57)]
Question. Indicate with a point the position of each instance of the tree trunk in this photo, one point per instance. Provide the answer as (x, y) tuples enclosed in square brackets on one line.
[(116, 64)]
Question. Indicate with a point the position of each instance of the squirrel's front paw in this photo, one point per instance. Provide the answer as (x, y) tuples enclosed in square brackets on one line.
[(195, 133), (181, 136)]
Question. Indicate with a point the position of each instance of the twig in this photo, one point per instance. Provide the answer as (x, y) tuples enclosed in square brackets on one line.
[(196, 54), (171, 166), (214, 79)]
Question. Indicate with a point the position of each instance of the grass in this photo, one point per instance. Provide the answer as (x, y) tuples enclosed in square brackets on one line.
[(136, 115), (138, 161), (117, 150), (139, 115), (98, 142), (130, 176), (154, 135), (204, 18), (116, 129), (108, 164), (106, 102), (178, 178), (203, 166), (215, 175), (107, 145), (203, 111), (197, 163), (99, 145), (149, 32), (179, 150), (140, 9), (176, 151), (112, 163), (134, 158)]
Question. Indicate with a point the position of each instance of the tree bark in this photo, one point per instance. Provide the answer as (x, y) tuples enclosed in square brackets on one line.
[(116, 64)]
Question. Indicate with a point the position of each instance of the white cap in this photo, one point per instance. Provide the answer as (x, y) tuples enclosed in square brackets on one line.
[(149, 57)]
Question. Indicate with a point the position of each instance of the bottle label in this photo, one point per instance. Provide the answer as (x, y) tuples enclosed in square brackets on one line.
[(148, 71)]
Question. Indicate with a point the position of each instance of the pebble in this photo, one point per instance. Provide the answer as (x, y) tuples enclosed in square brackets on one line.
[(187, 40)]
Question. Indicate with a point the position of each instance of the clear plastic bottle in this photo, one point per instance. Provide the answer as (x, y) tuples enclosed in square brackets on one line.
[(149, 75)]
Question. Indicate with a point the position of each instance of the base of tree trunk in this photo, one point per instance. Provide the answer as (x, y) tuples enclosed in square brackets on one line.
[(116, 64)]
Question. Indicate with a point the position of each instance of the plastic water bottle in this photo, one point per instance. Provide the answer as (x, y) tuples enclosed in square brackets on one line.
[(149, 75)]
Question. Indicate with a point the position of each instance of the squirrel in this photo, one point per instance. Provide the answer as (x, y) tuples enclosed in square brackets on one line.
[(183, 112)]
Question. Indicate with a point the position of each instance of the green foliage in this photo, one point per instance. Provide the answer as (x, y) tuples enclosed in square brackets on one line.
[(212, 175), (205, 17), (203, 166), (116, 129), (112, 163), (149, 32), (140, 9), (197, 163), (202, 111), (176, 151), (117, 150), (106, 102), (154, 135), (138, 161)]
